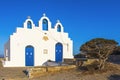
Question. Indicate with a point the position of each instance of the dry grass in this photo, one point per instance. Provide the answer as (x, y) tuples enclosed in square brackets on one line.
[(112, 72), (108, 67), (12, 73)]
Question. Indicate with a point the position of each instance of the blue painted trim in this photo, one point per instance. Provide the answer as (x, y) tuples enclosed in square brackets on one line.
[(29, 25), (58, 52), (29, 56), (45, 25), (58, 28)]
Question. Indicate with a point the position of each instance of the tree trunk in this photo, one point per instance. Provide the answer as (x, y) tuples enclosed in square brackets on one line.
[(101, 64)]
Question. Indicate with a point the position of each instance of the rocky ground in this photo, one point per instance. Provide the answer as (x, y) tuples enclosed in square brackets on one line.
[(112, 72)]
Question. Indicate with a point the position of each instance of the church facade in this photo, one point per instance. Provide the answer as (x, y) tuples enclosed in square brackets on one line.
[(33, 45)]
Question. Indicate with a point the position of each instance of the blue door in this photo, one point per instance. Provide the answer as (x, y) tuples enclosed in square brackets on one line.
[(58, 52), (29, 56)]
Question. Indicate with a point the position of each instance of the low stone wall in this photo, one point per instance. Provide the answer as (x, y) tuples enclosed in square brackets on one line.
[(69, 61), (41, 71)]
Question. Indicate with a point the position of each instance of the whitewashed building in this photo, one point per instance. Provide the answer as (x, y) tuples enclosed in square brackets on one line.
[(33, 45)]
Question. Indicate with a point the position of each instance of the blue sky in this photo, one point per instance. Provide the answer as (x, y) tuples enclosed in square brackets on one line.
[(82, 19)]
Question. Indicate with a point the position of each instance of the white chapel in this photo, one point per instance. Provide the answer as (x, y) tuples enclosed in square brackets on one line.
[(33, 45)]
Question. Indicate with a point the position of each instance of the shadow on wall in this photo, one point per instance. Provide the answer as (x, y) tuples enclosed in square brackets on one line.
[(114, 77)]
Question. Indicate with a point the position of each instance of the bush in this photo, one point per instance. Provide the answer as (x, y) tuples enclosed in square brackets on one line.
[(93, 66)]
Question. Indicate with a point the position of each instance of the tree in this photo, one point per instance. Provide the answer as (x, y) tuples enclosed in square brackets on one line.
[(116, 51), (99, 48)]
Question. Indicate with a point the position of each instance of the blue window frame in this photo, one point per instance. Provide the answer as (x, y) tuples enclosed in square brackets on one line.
[(58, 28), (29, 25), (45, 25)]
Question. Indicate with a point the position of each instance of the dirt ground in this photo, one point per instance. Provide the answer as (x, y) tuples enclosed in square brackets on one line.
[(77, 74), (113, 73)]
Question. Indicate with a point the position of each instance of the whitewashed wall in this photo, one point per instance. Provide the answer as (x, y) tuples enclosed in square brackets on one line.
[(24, 37)]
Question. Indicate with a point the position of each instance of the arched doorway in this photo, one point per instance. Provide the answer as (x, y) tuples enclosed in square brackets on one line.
[(58, 52), (29, 56)]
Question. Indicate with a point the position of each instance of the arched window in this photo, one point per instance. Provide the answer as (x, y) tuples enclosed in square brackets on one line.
[(29, 25), (58, 28), (45, 24)]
